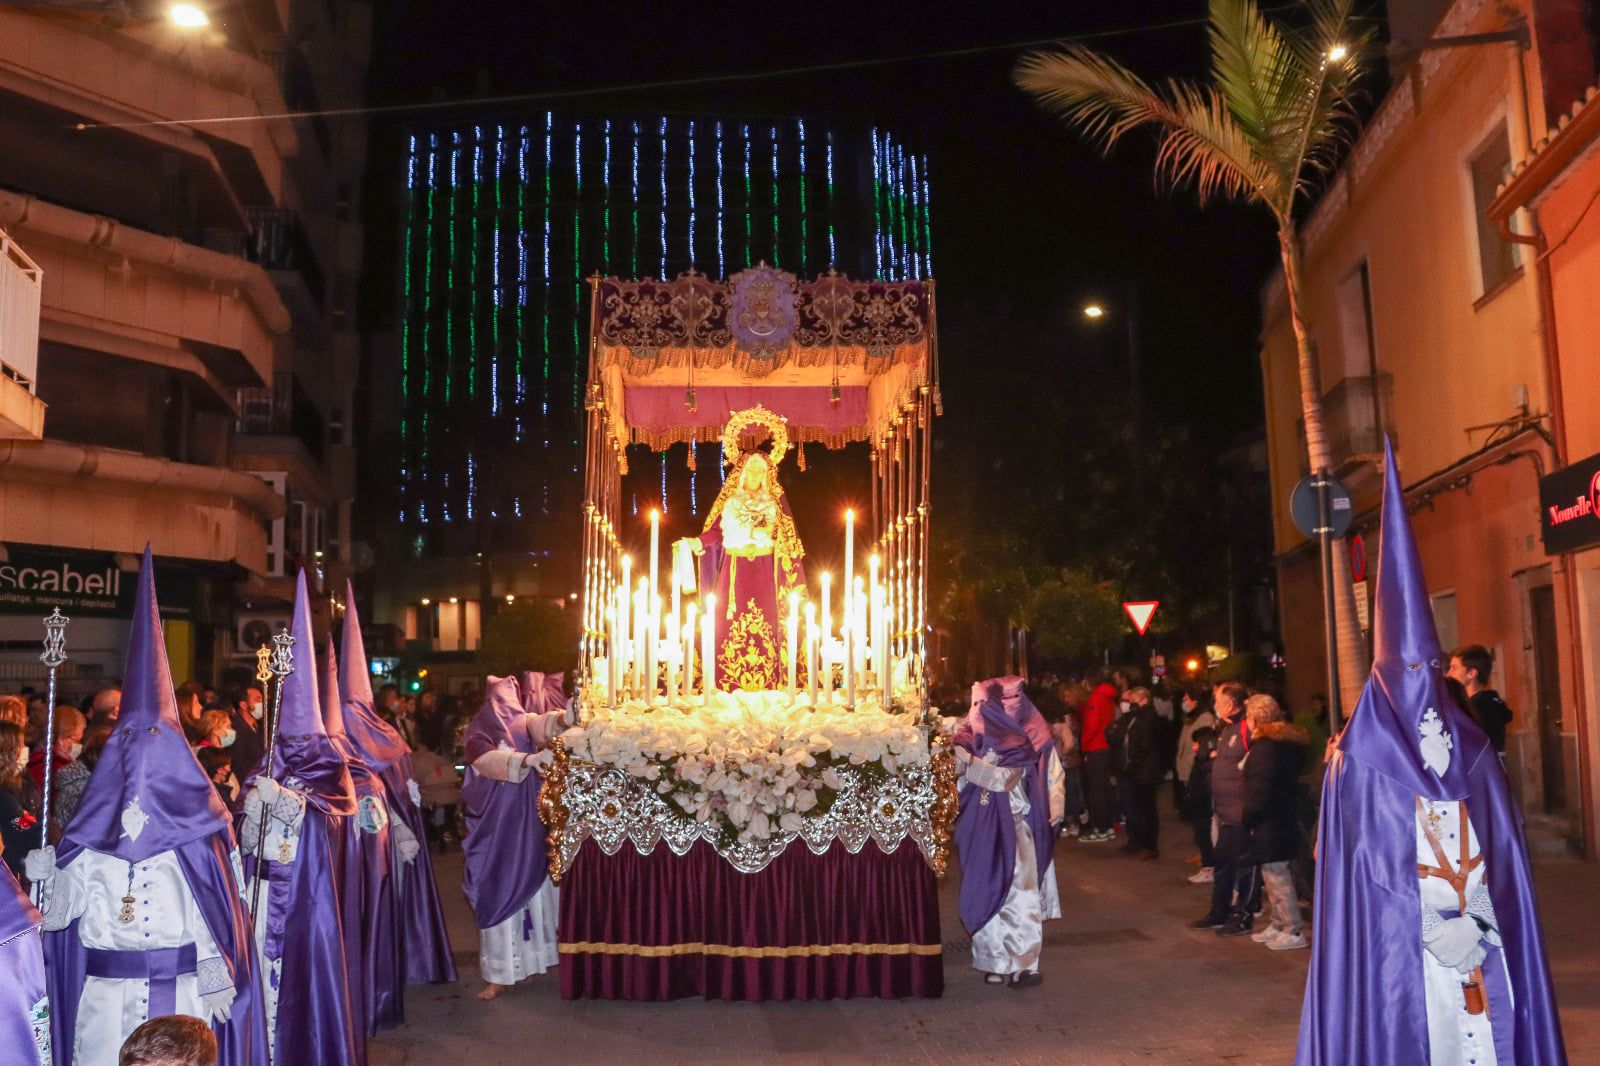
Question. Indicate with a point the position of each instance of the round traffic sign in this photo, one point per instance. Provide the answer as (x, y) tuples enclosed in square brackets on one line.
[(1306, 512), (1358, 558)]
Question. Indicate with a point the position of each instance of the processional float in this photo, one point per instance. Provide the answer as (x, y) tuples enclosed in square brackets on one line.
[(824, 362)]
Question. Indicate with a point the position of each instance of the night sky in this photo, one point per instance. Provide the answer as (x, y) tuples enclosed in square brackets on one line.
[(1028, 222)]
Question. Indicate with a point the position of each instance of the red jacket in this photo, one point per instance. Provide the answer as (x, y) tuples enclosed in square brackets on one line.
[(36, 766), (1099, 711)]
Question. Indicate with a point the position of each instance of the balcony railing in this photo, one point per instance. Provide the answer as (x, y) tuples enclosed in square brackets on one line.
[(20, 286), (284, 410), (1355, 415), (278, 241)]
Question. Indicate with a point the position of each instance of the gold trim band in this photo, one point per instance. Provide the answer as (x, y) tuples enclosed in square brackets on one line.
[(656, 951)]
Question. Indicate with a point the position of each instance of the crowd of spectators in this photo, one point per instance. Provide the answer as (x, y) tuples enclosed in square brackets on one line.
[(1245, 779)]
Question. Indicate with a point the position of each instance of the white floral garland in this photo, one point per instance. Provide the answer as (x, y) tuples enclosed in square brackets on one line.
[(749, 773)]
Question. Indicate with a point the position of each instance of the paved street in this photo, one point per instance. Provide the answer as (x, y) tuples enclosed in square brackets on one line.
[(1126, 982)]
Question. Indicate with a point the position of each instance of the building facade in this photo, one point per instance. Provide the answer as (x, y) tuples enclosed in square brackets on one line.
[(1429, 325), (196, 252), (506, 221)]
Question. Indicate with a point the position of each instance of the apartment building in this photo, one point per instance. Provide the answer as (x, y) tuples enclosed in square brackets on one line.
[(1431, 328), (181, 242)]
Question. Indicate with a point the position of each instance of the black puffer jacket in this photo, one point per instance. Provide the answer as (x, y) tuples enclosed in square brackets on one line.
[(1271, 774), (1145, 759)]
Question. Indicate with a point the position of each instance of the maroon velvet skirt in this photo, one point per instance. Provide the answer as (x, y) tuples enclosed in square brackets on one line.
[(831, 926)]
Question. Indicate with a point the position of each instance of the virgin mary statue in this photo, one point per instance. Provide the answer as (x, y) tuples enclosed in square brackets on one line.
[(751, 547)]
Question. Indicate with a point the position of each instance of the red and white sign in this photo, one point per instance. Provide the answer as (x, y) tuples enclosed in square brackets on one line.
[(1140, 612)]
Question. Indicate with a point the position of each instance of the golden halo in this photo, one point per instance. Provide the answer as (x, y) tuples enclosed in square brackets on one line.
[(758, 415)]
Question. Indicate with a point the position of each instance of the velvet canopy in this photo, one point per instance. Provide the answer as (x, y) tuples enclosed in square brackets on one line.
[(840, 359)]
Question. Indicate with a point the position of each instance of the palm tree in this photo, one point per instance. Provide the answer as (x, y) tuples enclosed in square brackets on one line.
[(1273, 118)]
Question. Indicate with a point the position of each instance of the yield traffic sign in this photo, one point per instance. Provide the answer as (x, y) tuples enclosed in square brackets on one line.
[(1140, 612)]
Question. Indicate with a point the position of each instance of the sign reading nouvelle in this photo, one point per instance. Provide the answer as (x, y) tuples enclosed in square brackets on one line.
[(1569, 507), (35, 578)]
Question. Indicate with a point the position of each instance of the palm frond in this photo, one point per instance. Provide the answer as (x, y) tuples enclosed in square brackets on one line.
[(1256, 70), (1093, 92), (1200, 142)]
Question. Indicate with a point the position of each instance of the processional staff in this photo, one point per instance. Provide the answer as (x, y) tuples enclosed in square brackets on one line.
[(55, 642), (279, 664)]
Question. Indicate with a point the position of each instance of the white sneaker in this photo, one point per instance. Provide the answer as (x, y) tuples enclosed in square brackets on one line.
[(1202, 876), (1262, 936), (1287, 941)]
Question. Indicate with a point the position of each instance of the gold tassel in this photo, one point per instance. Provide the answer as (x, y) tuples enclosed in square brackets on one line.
[(802, 458), (693, 447)]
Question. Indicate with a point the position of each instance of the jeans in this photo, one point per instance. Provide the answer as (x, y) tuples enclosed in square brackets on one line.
[(1097, 785), (1233, 888), (1283, 906), (1073, 785)]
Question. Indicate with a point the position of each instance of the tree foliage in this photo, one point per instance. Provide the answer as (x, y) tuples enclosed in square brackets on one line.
[(530, 635)]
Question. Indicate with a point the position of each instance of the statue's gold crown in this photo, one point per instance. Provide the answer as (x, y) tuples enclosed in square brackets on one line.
[(739, 421)]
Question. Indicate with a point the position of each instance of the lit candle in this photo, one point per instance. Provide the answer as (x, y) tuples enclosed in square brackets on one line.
[(689, 632), (655, 550), (708, 653), (827, 604), (623, 626), (641, 611), (880, 642), (672, 652), (811, 652), (872, 585), (611, 656), (846, 619), (652, 648), (794, 637)]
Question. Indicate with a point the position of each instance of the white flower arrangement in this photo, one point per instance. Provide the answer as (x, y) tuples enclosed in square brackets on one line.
[(752, 764)]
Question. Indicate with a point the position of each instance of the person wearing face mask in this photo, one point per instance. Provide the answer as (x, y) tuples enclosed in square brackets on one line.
[(73, 778), (249, 719), (19, 819), (70, 725), (217, 729)]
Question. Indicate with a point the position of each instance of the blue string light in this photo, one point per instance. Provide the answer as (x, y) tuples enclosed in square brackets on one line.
[(775, 196), (833, 252), (804, 229), (749, 224), (877, 213), (722, 266), (691, 196), (927, 220), (663, 274), (663, 482)]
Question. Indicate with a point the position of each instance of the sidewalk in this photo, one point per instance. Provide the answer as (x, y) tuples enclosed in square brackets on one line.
[(1126, 982)]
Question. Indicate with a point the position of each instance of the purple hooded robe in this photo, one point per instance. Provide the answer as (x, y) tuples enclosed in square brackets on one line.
[(506, 858), (148, 758), (1364, 999), (24, 1011), (424, 943), (317, 1017), (1003, 721), (368, 889)]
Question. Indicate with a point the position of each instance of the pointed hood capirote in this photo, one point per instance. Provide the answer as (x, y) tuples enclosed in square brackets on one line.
[(372, 738), (332, 702), (147, 794), (1406, 698), (303, 749)]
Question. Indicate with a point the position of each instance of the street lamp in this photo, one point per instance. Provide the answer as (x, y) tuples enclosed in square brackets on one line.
[(1337, 53), (1094, 311), (189, 16)]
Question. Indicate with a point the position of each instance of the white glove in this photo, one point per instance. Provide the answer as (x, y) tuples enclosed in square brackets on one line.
[(1456, 943), (414, 791), (219, 1004), (570, 718), (405, 840), (215, 985), (40, 864), (268, 791)]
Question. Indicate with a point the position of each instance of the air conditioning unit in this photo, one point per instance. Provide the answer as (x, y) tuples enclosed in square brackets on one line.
[(250, 631)]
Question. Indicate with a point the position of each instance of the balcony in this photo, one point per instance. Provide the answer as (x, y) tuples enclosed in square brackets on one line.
[(284, 411), (21, 410), (278, 242)]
